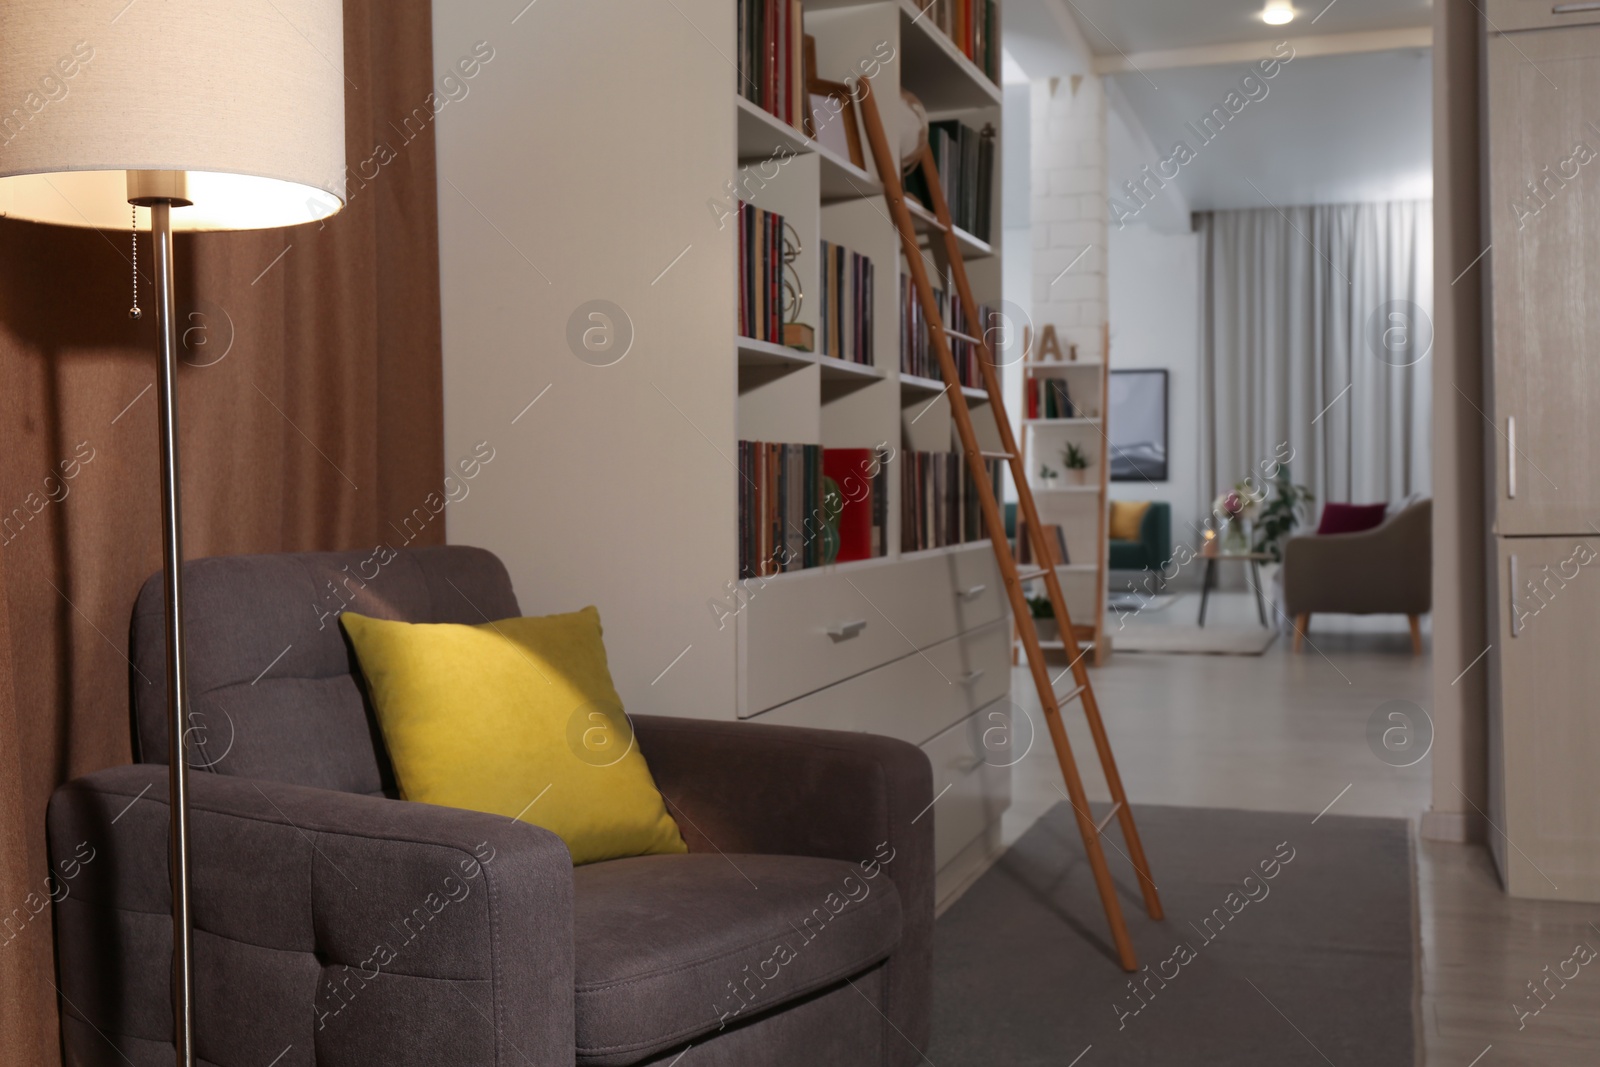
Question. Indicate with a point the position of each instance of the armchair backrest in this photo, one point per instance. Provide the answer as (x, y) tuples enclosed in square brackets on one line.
[(275, 690)]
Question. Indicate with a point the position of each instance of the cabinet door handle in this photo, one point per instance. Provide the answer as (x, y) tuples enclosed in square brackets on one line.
[(843, 631), (1511, 452), (971, 676), (1516, 620), (1573, 9), (979, 589)]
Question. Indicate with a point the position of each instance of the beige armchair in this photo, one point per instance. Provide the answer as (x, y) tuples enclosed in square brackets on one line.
[(1386, 570)]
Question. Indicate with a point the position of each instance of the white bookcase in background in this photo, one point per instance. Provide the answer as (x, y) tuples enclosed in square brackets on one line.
[(595, 148), (1082, 511)]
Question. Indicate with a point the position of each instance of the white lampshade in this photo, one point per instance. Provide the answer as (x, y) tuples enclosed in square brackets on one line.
[(246, 96)]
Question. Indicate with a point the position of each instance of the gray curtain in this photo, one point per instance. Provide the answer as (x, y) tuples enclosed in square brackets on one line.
[(1315, 335)]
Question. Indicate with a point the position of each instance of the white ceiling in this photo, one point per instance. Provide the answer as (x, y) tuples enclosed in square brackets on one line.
[(1132, 26), (1331, 129)]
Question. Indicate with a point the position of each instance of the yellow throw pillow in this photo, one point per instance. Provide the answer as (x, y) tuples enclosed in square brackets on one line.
[(516, 718), (1127, 516)]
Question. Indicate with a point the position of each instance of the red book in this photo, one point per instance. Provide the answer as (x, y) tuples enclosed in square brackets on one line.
[(852, 471)]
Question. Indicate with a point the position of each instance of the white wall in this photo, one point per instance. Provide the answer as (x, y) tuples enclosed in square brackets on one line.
[(1154, 284), (1154, 288)]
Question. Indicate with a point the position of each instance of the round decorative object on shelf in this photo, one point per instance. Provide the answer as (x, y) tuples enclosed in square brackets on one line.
[(912, 125)]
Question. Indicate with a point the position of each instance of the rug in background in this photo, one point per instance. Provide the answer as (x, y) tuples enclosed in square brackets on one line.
[(1193, 640), (1285, 943), (1125, 602)]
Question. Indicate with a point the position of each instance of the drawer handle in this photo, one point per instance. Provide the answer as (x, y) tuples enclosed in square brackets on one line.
[(1511, 442), (844, 631), (1516, 619), (979, 589), (971, 677), (1573, 9)]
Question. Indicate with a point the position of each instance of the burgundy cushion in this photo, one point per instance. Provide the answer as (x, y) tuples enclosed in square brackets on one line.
[(1350, 518)]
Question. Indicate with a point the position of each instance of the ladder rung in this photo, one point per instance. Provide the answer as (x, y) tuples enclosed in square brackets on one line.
[(959, 336), (1030, 575), (997, 455), (1066, 698), (1100, 827)]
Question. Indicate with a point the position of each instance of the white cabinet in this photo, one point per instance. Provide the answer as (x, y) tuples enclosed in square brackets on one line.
[(1544, 277), (1543, 393), (1544, 718)]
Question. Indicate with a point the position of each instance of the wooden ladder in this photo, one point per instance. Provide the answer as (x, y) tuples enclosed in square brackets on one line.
[(1082, 691)]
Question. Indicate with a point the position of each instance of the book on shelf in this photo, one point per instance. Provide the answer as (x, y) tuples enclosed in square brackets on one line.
[(861, 477), (786, 509), (780, 487), (760, 274), (939, 503), (973, 26), (771, 70), (845, 307), (916, 347), (965, 160), (1049, 398)]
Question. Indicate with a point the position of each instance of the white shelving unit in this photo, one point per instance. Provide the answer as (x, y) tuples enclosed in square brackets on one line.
[(1080, 510), (568, 180)]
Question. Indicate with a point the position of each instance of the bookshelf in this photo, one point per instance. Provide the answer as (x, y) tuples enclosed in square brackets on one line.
[(565, 180), (1080, 510)]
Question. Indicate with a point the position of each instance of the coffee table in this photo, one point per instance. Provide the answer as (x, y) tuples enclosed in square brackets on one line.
[(1213, 554)]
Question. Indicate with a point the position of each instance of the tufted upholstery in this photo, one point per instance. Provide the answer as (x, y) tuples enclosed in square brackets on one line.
[(337, 926)]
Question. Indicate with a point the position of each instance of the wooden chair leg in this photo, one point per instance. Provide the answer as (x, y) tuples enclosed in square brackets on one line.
[(1416, 634), (1302, 623)]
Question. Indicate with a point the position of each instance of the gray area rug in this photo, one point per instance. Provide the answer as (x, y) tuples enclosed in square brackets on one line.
[(1214, 640), (1314, 965)]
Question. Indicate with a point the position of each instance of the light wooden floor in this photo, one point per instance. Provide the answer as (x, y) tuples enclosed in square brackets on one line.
[(1282, 732)]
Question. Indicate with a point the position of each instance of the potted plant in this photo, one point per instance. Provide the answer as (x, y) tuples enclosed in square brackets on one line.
[(1077, 464), (1280, 515), (1048, 477), (1044, 618)]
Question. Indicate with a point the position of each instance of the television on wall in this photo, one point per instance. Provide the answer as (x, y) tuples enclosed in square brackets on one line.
[(1138, 430)]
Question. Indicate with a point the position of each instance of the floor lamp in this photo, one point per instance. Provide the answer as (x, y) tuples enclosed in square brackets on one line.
[(212, 116)]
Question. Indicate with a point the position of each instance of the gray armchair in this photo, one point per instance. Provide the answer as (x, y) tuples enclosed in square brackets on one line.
[(336, 925), (1385, 570)]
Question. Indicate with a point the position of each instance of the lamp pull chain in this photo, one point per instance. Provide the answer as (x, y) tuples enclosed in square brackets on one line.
[(134, 313)]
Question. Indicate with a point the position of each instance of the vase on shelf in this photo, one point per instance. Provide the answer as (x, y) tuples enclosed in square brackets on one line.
[(1235, 538), (1079, 476)]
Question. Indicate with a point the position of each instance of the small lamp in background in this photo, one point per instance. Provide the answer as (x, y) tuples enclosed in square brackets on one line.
[(213, 116)]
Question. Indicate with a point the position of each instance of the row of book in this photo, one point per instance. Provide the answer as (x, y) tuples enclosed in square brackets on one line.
[(1048, 398), (939, 500), (771, 68), (916, 348), (965, 159), (974, 26), (802, 506), (760, 274), (845, 312)]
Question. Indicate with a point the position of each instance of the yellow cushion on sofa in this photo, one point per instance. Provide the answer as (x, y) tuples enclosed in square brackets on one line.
[(1127, 516), (516, 718)]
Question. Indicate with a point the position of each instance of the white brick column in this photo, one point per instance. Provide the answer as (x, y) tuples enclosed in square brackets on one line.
[(1069, 211)]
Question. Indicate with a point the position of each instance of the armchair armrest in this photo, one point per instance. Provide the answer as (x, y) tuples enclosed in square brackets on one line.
[(745, 787), (329, 927)]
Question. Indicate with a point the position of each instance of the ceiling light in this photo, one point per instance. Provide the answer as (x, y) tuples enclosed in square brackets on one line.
[(1278, 13)]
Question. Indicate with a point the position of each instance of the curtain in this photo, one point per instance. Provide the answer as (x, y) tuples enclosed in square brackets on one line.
[(1315, 332), (311, 418)]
